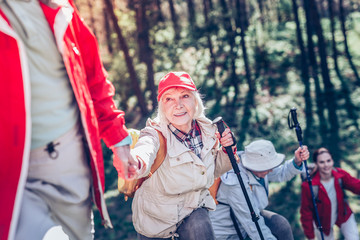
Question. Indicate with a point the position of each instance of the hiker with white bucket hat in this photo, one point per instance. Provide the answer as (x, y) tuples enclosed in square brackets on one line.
[(259, 164)]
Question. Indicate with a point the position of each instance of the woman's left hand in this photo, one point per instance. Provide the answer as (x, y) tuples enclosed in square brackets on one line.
[(226, 139)]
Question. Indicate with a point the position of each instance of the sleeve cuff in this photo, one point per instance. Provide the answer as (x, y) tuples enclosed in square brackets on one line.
[(125, 141), (296, 166), (113, 135), (234, 151)]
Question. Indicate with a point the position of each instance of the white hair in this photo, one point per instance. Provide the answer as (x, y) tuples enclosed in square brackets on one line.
[(199, 107)]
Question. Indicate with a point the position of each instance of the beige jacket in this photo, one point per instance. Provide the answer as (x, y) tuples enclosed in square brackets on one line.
[(180, 184)]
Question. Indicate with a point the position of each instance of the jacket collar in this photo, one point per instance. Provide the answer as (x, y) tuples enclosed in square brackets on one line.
[(207, 132), (336, 174), (5, 26), (3, 17), (59, 14)]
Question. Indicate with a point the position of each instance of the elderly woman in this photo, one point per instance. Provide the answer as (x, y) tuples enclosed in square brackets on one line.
[(329, 184), (174, 201)]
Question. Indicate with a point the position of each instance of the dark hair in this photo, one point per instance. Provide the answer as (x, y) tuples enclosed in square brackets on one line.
[(319, 152)]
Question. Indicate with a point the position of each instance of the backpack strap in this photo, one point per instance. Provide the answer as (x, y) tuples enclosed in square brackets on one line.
[(234, 220), (344, 193), (315, 189), (129, 187), (160, 156), (339, 179), (214, 189), (159, 159)]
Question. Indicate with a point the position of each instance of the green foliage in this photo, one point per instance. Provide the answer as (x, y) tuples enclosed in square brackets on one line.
[(120, 214)]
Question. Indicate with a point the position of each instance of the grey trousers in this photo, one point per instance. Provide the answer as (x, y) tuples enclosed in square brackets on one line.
[(279, 226), (197, 226), (57, 192)]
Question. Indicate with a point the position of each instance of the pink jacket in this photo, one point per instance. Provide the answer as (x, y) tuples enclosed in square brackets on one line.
[(324, 205), (93, 93)]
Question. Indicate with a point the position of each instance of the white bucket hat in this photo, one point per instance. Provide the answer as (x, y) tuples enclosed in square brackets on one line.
[(260, 155)]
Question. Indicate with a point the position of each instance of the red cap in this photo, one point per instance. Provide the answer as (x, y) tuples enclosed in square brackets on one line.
[(175, 79)]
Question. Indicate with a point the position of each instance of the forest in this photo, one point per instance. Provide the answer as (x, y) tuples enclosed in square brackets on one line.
[(252, 60)]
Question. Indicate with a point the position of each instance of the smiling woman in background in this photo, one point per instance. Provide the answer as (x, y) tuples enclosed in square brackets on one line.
[(329, 184)]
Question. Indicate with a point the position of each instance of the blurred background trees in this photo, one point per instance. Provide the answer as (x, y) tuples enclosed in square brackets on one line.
[(252, 60)]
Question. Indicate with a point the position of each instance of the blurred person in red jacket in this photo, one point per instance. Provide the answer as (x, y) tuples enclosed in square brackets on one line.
[(329, 184), (56, 105)]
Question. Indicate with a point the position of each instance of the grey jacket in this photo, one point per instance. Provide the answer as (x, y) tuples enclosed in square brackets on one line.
[(230, 193)]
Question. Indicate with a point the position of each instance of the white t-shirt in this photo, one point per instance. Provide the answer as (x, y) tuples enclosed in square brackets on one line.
[(53, 107), (331, 192)]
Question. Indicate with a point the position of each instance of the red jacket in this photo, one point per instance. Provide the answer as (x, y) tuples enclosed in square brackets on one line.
[(323, 204), (93, 93)]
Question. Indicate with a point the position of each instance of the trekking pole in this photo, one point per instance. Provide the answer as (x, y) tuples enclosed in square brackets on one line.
[(254, 217), (293, 123)]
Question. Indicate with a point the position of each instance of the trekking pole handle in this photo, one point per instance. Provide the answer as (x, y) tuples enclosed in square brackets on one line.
[(221, 128), (293, 123), (220, 124)]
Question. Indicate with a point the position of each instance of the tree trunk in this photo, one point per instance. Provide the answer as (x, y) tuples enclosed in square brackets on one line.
[(347, 51), (128, 59), (208, 37), (174, 19), (92, 20), (308, 133), (349, 106), (108, 31), (314, 74), (241, 15), (333, 41), (248, 105), (212, 91), (191, 12), (250, 101), (243, 28), (261, 10), (322, 9), (160, 15), (145, 51), (211, 5), (231, 40), (329, 92), (278, 11)]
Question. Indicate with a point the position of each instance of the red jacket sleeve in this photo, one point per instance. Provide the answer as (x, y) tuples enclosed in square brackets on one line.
[(110, 120), (306, 211), (349, 182)]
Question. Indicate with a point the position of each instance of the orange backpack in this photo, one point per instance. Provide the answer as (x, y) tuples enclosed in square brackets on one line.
[(214, 189), (129, 187)]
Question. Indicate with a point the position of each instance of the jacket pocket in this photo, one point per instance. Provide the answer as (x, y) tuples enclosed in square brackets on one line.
[(156, 219)]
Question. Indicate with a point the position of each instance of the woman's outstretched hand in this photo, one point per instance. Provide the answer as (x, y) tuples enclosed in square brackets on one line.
[(126, 166)]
